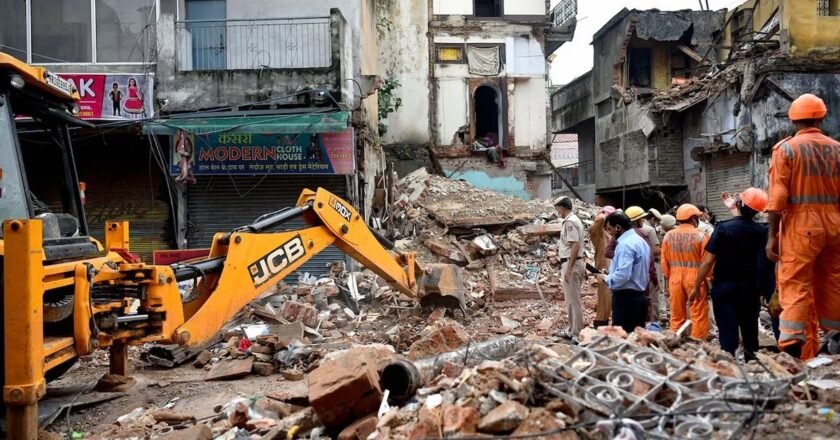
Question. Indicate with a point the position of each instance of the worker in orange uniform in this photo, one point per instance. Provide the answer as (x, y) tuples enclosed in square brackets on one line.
[(804, 217), (682, 254)]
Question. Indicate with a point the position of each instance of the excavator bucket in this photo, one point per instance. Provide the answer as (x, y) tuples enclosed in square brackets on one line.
[(442, 285)]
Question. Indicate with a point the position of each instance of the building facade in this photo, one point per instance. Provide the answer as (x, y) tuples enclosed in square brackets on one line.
[(211, 113), (473, 70), (688, 104)]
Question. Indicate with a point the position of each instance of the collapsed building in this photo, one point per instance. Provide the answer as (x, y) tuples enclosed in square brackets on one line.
[(685, 105), (469, 87)]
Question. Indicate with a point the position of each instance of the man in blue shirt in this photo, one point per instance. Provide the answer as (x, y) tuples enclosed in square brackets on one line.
[(629, 274)]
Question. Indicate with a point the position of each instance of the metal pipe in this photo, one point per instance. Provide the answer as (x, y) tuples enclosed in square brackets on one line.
[(269, 221), (471, 355), (190, 271), (131, 318)]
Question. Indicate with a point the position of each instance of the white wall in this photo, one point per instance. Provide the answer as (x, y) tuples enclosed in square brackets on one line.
[(524, 57), (403, 56), (529, 117), (524, 7), (452, 7), (452, 108)]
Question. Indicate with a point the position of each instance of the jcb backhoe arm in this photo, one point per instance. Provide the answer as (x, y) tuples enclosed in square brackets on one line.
[(246, 262)]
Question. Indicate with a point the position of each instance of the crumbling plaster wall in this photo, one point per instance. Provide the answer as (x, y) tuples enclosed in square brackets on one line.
[(402, 27), (572, 104), (761, 124), (525, 103), (621, 147), (512, 180)]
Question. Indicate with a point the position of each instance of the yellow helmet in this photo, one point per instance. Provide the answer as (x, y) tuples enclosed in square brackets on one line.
[(635, 213)]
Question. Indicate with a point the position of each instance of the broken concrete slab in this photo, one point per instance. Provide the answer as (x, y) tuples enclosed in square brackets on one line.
[(230, 369), (504, 418), (541, 230)]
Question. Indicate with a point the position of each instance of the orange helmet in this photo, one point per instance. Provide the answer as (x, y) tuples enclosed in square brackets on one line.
[(687, 211), (807, 106), (755, 199)]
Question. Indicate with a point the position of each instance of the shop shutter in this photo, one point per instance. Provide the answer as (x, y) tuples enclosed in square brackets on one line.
[(222, 203), (730, 173), (121, 185)]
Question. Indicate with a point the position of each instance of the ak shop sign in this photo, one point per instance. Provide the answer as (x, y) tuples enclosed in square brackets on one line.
[(259, 153), (118, 96)]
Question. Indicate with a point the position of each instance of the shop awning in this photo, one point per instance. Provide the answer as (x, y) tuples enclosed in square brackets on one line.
[(292, 123)]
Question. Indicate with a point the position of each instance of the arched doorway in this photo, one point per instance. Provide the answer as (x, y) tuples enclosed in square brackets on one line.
[(487, 102)]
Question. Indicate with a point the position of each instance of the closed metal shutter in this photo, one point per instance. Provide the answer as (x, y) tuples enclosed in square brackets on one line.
[(726, 173), (121, 183), (222, 203)]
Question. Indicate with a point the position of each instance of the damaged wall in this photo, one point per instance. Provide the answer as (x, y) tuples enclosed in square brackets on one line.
[(755, 129), (511, 180), (632, 148), (572, 104), (529, 112), (402, 27), (621, 155)]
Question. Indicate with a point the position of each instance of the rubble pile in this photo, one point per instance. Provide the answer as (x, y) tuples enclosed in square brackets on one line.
[(655, 384), (347, 356), (508, 246)]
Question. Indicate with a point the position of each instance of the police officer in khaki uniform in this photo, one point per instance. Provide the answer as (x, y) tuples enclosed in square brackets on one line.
[(572, 265)]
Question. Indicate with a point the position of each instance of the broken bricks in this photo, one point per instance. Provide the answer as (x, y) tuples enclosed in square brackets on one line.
[(445, 338), (344, 389)]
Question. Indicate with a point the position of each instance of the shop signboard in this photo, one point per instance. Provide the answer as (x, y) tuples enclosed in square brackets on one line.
[(261, 153), (113, 96)]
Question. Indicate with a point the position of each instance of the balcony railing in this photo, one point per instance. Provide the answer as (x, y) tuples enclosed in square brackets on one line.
[(253, 44), (563, 12)]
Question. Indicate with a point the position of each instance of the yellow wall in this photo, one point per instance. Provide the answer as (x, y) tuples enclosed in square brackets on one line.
[(806, 31), (660, 60)]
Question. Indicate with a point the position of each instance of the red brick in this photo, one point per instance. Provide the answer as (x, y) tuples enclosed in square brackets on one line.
[(360, 429), (442, 340), (345, 388), (460, 420), (540, 421), (305, 313)]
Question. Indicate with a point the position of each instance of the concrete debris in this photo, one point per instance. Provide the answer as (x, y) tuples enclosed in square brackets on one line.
[(348, 356), (504, 418), (444, 338)]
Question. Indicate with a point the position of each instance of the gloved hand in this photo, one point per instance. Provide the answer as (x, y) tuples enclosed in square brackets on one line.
[(774, 307)]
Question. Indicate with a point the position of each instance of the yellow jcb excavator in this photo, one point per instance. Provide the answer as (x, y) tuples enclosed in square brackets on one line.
[(65, 295)]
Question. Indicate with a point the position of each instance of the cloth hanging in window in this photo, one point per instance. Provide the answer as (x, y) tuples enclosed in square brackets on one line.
[(484, 60)]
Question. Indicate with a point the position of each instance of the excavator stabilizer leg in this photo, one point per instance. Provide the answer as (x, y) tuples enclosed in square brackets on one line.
[(442, 285)]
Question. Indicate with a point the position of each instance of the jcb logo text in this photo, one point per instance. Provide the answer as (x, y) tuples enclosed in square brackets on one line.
[(275, 261)]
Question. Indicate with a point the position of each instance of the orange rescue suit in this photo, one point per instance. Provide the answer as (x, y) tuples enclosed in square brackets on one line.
[(805, 190), (682, 254)]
